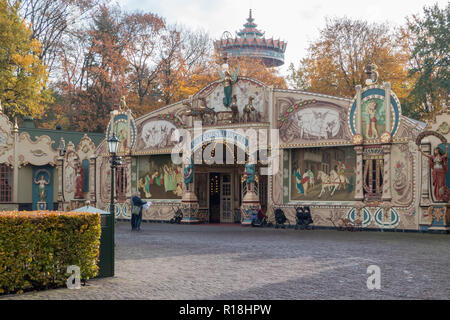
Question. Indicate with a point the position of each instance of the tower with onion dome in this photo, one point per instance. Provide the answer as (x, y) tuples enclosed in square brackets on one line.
[(250, 42)]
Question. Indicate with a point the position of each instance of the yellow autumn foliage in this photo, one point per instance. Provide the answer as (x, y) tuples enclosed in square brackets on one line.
[(23, 76)]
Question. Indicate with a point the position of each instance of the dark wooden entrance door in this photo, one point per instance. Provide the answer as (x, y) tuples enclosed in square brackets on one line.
[(214, 197)]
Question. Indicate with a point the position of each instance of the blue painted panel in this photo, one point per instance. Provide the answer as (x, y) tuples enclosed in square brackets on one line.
[(47, 173), (447, 176), (352, 116)]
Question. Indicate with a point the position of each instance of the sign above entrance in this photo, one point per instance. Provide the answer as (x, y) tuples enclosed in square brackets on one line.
[(220, 135)]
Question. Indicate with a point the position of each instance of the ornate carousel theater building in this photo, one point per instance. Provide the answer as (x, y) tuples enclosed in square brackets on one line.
[(351, 161), (358, 162)]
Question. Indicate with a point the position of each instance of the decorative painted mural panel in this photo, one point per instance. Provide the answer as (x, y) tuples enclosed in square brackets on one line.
[(156, 133), (323, 174), (311, 120), (105, 179), (159, 178), (402, 175), (122, 124), (243, 89), (373, 113), (373, 118)]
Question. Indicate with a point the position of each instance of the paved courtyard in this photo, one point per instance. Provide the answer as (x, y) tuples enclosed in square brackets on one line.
[(231, 262)]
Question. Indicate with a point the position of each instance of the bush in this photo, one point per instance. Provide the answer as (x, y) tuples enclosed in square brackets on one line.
[(36, 248)]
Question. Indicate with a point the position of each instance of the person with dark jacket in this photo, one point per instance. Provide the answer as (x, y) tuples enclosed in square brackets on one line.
[(136, 218)]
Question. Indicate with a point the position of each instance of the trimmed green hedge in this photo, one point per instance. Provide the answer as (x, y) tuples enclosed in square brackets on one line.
[(36, 248)]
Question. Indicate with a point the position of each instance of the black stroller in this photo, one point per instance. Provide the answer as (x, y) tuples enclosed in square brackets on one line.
[(303, 217), (177, 217), (280, 218)]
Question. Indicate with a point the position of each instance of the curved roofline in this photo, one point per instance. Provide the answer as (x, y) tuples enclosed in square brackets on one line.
[(313, 94), (218, 81), (417, 123), (160, 109)]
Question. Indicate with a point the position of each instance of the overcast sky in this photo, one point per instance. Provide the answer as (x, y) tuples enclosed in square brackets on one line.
[(297, 22)]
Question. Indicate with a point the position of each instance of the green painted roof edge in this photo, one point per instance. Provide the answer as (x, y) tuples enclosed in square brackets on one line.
[(73, 136)]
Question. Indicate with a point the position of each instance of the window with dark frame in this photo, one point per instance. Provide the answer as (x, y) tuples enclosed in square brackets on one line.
[(6, 177)]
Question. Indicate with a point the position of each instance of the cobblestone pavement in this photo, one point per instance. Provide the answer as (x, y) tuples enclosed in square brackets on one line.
[(231, 262)]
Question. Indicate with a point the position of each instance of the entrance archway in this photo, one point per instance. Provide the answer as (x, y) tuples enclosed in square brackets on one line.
[(220, 187)]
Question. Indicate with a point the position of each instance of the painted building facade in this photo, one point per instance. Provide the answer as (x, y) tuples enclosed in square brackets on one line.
[(348, 160), (33, 173), (355, 161)]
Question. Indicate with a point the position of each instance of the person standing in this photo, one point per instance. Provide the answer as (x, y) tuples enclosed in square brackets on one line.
[(136, 212)]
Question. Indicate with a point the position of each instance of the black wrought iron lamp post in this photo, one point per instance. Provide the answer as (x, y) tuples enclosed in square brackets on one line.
[(113, 144)]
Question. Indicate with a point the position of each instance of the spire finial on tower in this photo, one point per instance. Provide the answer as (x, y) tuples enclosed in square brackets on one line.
[(250, 18)]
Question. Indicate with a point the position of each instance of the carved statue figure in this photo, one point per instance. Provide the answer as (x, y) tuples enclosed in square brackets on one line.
[(371, 71), (79, 181), (189, 174), (208, 115), (438, 163), (228, 80), (235, 109), (122, 104), (250, 114), (203, 113), (250, 174), (42, 192)]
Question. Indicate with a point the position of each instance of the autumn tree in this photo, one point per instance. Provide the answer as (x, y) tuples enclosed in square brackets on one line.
[(144, 32), (72, 78), (23, 76), (94, 74), (196, 59), (336, 62), (428, 42), (52, 22), (139, 56), (185, 64)]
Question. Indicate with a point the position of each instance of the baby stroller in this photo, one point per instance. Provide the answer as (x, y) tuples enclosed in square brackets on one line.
[(177, 217), (303, 217), (280, 219), (259, 219)]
